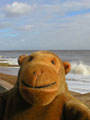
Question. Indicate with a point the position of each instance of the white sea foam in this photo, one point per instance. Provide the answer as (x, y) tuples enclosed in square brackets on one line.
[(10, 61), (78, 82), (1, 56), (80, 68)]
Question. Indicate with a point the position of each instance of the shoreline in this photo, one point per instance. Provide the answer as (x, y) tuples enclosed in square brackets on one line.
[(7, 65), (10, 80)]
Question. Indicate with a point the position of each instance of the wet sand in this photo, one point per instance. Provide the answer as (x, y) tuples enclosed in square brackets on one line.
[(85, 98), (8, 78)]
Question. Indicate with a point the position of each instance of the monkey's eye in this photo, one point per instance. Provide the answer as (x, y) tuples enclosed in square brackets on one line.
[(31, 58), (53, 62)]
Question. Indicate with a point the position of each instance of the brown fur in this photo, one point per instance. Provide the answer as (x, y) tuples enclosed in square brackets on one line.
[(41, 92)]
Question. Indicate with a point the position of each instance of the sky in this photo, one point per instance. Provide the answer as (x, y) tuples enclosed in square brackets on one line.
[(45, 24)]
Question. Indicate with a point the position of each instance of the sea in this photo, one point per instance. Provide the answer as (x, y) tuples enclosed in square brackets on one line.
[(78, 79)]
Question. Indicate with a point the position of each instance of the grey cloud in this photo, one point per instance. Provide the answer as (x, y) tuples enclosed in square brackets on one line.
[(64, 7), (4, 25), (17, 9), (25, 27)]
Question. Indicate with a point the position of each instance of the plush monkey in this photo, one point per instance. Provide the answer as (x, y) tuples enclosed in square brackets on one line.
[(41, 92)]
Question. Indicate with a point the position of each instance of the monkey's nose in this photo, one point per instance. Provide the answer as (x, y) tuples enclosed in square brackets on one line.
[(34, 73), (38, 72)]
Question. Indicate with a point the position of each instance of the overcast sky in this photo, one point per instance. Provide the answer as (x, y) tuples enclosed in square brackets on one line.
[(44, 24)]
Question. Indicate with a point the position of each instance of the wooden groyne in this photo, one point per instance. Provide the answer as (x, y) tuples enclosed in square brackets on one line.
[(5, 84)]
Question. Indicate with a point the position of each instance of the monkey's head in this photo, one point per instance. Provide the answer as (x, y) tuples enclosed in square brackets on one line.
[(41, 77)]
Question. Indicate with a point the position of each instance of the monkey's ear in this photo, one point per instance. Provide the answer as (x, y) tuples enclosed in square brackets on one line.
[(21, 59), (67, 67)]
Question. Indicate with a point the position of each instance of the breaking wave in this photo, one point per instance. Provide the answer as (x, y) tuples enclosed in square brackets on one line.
[(10, 61), (80, 68)]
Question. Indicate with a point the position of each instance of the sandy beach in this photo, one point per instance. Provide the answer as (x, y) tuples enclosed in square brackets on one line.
[(10, 80)]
